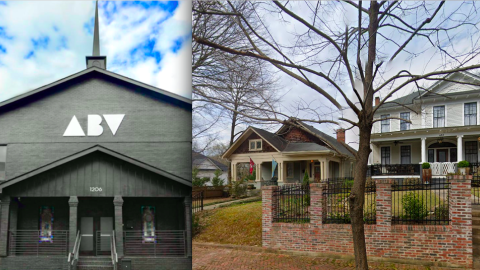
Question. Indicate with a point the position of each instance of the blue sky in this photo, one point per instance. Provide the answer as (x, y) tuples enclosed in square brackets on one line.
[(41, 42)]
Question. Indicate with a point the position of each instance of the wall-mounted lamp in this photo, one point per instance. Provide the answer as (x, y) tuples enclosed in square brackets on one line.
[(439, 141)]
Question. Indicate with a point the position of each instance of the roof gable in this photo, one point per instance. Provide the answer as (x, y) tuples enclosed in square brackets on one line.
[(85, 152), (274, 141), (138, 86)]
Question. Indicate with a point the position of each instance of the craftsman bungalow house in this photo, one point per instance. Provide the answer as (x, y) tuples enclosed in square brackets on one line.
[(95, 173), (444, 129), (295, 151)]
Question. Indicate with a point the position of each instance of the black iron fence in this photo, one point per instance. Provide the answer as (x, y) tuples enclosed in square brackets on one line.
[(475, 169), (394, 169), (292, 203), (36, 243), (336, 203), (416, 202), (197, 201), (476, 190), (162, 243)]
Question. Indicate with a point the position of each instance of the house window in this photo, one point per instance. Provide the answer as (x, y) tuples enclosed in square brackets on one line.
[(471, 152), (3, 160), (470, 114), (431, 155), (405, 154), (385, 155), (404, 125), (385, 123), (290, 169), (255, 145), (439, 116)]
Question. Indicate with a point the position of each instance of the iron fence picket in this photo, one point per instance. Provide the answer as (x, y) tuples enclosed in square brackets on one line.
[(416, 202), (292, 203)]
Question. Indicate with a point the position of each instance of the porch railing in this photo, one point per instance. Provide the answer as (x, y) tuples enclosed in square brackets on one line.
[(394, 169), (102, 245), (32, 243), (164, 243), (443, 168)]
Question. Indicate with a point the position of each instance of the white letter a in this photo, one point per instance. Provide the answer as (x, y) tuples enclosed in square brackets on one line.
[(74, 129)]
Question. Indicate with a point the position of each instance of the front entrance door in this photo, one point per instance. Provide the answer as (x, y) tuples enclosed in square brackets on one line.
[(442, 155), (317, 172), (87, 233), (96, 233)]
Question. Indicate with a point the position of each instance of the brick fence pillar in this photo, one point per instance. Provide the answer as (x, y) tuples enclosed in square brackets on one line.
[(4, 216), (460, 210), (72, 224), (384, 204), (316, 203), (118, 204), (268, 211)]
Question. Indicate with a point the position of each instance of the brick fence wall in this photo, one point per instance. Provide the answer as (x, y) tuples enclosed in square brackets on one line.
[(442, 245)]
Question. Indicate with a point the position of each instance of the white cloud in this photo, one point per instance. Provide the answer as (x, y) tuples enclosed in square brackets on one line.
[(122, 29)]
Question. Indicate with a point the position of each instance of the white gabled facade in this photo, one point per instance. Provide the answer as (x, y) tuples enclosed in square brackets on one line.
[(444, 128)]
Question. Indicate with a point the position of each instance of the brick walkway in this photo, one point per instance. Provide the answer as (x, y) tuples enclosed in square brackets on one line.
[(219, 258), (223, 258)]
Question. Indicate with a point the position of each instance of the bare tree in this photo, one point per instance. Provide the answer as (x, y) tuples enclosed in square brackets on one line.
[(245, 84), (349, 52)]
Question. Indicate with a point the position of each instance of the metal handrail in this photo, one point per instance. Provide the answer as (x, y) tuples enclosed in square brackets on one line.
[(114, 251), (76, 248)]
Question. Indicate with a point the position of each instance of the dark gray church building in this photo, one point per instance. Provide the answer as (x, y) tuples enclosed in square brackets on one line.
[(95, 173)]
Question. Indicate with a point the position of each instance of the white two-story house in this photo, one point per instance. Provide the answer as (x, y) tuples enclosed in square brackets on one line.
[(444, 129)]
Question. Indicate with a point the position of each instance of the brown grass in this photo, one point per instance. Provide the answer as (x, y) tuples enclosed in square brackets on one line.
[(238, 225)]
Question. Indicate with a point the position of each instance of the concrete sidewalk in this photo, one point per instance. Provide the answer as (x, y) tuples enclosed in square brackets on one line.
[(214, 206)]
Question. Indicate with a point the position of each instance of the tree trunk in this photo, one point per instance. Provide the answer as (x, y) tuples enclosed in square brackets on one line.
[(232, 137), (365, 122), (357, 199)]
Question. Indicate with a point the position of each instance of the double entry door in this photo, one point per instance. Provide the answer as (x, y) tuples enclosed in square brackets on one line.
[(96, 233)]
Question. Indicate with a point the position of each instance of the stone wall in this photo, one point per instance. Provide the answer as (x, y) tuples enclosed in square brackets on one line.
[(441, 245)]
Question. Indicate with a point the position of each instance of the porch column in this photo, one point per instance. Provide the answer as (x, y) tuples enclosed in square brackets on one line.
[(281, 172), (4, 216), (72, 225), (424, 139), (459, 148), (234, 171), (118, 203), (187, 202), (259, 172)]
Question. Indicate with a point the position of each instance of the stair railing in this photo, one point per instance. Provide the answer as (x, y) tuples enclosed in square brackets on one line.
[(113, 248), (73, 256)]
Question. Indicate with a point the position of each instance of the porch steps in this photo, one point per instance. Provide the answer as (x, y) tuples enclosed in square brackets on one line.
[(476, 235), (94, 263)]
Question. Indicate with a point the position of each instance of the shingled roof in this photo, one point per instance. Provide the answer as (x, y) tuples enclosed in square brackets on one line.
[(198, 158), (329, 140)]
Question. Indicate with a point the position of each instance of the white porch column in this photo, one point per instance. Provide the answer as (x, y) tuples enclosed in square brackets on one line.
[(259, 172), (234, 171), (424, 149), (459, 148), (280, 171)]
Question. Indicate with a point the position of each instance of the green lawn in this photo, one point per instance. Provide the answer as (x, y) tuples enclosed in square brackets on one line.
[(240, 224)]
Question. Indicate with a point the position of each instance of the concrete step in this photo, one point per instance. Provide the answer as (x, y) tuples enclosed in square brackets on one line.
[(476, 214)]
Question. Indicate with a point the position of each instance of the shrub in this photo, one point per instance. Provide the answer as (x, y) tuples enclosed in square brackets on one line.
[(414, 206), (216, 180), (425, 165), (196, 224), (239, 189), (441, 212), (463, 164), (306, 180), (197, 181)]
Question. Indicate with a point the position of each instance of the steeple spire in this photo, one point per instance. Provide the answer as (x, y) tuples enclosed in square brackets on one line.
[(96, 39), (96, 60)]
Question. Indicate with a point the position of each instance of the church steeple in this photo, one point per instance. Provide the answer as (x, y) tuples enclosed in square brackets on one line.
[(96, 60)]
